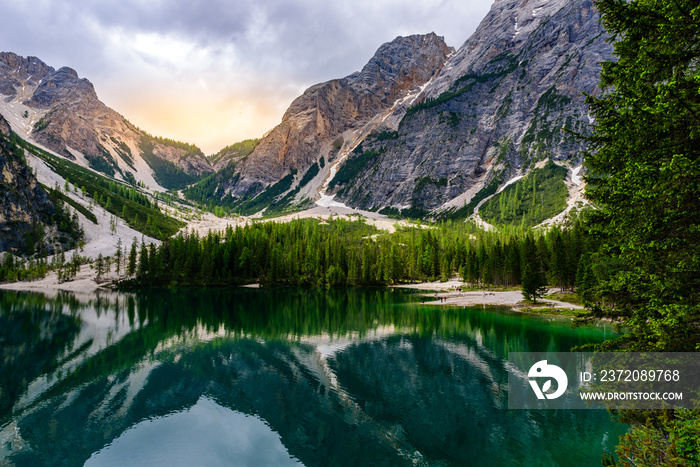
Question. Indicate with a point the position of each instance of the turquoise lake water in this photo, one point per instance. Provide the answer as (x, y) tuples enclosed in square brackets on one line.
[(218, 377)]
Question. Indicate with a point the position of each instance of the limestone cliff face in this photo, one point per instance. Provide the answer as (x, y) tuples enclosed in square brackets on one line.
[(62, 112), (25, 208), (313, 125), (5, 130), (502, 103), (232, 154), (17, 71)]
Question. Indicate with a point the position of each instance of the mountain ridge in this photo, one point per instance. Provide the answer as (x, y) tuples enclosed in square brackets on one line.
[(62, 112), (422, 128), (324, 112), (496, 108), (510, 97)]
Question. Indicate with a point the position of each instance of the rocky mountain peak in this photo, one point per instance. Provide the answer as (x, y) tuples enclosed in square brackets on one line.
[(16, 71), (401, 62), (67, 71), (312, 126), (501, 104), (24, 67), (507, 26), (62, 86), (61, 111)]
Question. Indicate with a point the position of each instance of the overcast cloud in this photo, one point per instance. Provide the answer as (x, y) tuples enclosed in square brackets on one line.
[(213, 72)]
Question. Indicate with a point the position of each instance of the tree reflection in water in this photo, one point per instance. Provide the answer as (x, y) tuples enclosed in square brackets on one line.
[(337, 377)]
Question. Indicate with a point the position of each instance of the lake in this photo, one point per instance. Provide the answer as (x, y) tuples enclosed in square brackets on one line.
[(218, 377)]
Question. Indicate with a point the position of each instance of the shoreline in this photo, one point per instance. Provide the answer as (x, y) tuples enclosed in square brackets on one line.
[(510, 298), (85, 282)]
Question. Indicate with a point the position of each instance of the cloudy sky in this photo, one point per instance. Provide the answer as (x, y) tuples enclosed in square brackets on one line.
[(213, 72)]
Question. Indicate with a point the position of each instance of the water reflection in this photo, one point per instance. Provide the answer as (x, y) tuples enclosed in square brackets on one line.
[(184, 438), (320, 377)]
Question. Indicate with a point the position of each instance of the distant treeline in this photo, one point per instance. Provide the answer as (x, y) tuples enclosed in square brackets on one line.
[(340, 252)]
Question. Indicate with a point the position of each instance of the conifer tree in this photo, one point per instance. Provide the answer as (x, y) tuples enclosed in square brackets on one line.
[(118, 256), (143, 261), (558, 263), (132, 259), (533, 279), (645, 172), (644, 178), (99, 266)]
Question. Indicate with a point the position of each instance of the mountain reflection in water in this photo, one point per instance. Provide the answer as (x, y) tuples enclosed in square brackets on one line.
[(277, 377)]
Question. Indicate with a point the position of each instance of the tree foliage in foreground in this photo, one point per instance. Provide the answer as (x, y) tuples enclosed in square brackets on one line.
[(645, 178), (646, 173)]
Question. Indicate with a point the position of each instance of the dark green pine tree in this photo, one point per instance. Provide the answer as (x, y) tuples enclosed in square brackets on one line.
[(533, 279), (118, 256), (153, 263), (586, 280), (558, 264), (100, 266), (645, 173), (131, 267), (143, 261), (644, 178)]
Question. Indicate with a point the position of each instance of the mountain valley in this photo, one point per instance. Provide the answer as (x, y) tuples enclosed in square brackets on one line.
[(422, 131)]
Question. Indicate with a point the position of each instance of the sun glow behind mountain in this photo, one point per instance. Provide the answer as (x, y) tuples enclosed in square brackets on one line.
[(215, 73), (199, 115), (207, 95)]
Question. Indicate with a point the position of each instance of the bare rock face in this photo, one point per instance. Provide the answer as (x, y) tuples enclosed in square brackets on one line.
[(5, 129), (25, 208), (68, 118), (62, 87), (74, 116), (16, 71), (233, 154), (189, 160), (315, 120), (501, 104)]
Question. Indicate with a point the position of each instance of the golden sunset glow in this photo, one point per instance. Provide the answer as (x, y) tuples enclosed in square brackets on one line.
[(203, 119), (215, 73)]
